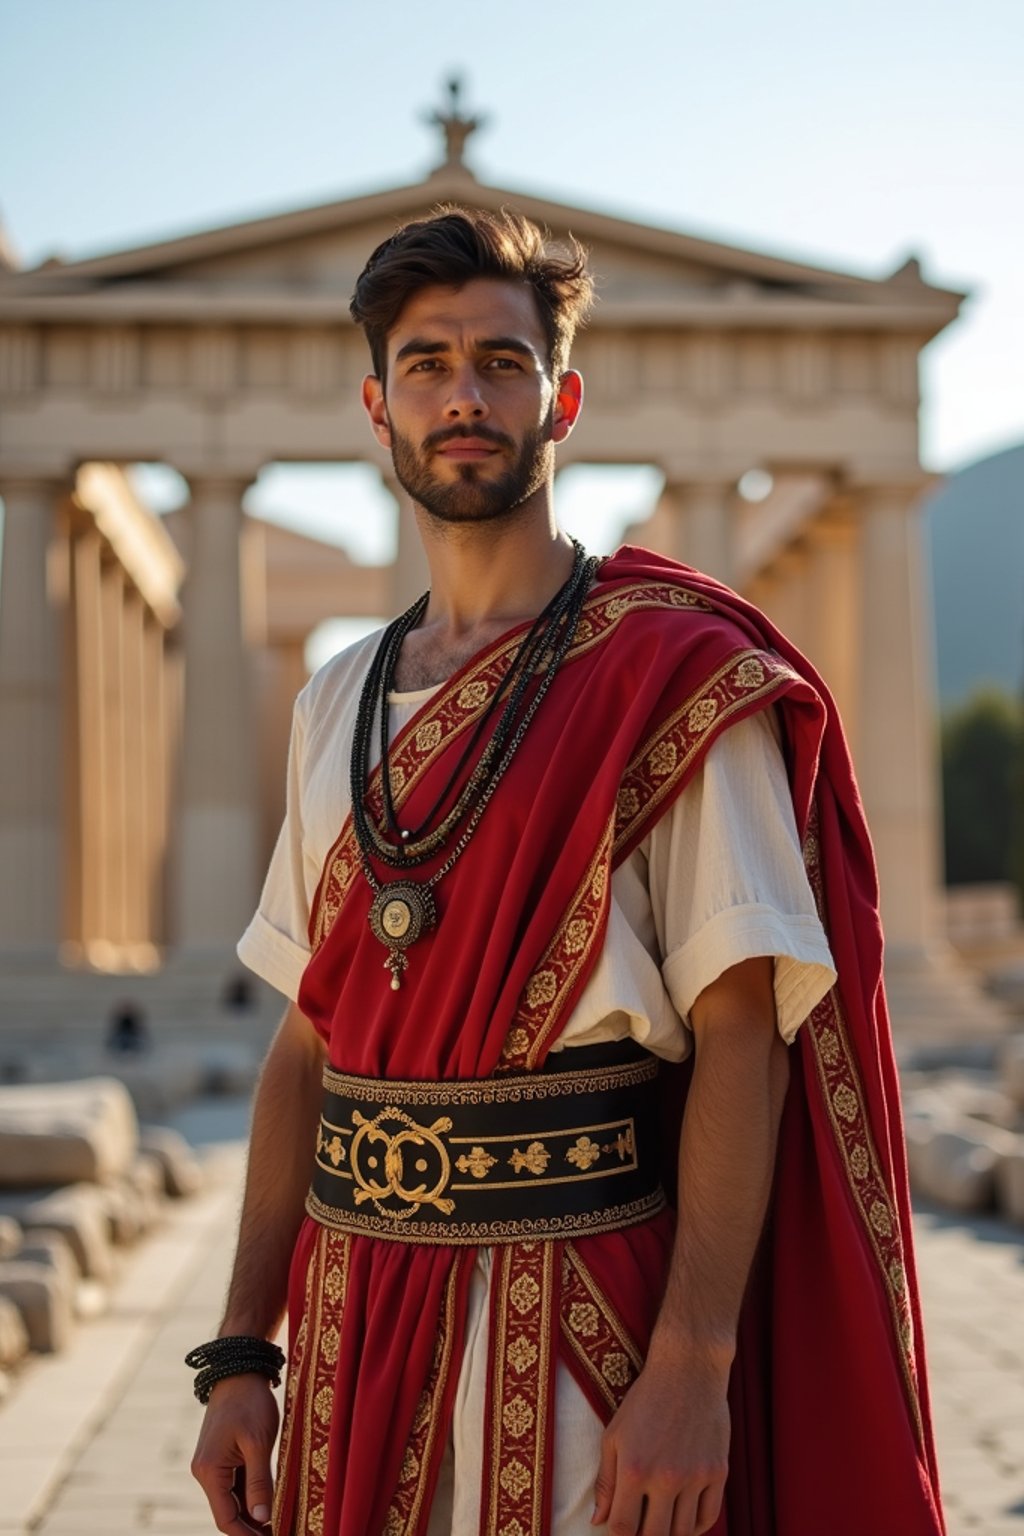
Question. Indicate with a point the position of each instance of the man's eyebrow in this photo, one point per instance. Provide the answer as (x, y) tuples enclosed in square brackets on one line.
[(418, 346), (507, 344)]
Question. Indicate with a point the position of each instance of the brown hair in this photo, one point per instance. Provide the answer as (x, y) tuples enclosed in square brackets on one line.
[(455, 245)]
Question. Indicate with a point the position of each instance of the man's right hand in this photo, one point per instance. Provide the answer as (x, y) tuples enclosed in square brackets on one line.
[(232, 1457)]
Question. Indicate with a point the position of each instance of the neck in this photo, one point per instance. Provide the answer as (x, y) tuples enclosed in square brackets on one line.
[(502, 570)]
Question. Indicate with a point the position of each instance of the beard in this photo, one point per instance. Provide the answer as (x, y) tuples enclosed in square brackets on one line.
[(473, 497)]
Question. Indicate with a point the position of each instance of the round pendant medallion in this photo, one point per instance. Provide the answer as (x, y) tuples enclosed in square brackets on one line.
[(401, 912), (395, 919)]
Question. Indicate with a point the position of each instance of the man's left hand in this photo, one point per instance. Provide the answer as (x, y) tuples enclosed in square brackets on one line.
[(664, 1456)]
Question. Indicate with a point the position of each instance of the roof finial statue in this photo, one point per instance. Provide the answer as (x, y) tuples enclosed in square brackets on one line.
[(454, 126)]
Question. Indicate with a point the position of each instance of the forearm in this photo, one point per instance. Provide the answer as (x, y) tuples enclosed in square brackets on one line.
[(280, 1160), (726, 1163)]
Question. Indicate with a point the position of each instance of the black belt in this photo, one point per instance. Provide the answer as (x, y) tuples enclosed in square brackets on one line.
[(569, 1150)]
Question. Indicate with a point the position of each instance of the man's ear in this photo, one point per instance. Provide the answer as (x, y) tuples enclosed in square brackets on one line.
[(567, 406), (373, 404)]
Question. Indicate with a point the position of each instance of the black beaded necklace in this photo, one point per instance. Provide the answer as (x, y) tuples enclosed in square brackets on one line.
[(404, 909)]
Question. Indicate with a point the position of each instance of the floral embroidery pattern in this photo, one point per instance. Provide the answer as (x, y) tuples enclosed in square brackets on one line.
[(476, 1161), (583, 1152), (610, 1359), (517, 1416), (540, 1008), (519, 1423), (535, 1159), (844, 1100), (429, 736), (583, 1318), (662, 760), (750, 673), (326, 1284), (541, 988), (701, 715)]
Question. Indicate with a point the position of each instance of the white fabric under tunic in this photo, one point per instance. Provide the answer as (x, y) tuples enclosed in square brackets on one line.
[(719, 879)]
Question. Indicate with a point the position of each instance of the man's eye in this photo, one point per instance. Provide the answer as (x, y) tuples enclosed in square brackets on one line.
[(503, 363), (425, 365)]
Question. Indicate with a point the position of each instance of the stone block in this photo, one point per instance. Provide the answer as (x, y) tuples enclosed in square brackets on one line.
[(10, 1237), (1010, 1183), (125, 1212), (46, 1306), (13, 1334), (53, 1250), (161, 1083), (78, 1214), (181, 1169), (954, 1167), (1010, 1064), (65, 1133)]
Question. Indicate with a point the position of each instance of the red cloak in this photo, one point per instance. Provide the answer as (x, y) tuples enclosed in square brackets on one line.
[(831, 1429)]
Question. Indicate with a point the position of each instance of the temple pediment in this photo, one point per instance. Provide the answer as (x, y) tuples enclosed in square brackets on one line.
[(302, 265)]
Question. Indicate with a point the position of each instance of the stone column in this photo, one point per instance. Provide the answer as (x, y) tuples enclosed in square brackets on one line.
[(787, 603), (155, 771), (708, 528), (89, 714), (281, 675), (833, 601), (411, 573), (664, 530), (217, 875), (31, 786), (137, 710), (693, 522), (115, 787), (897, 756)]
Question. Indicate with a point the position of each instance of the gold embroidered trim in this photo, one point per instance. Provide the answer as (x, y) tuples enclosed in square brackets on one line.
[(457, 1233), (296, 1367), (609, 1356), (458, 707), (325, 1305), (665, 756), (519, 1429), (404, 1510), (844, 1100), (415, 1093), (654, 773), (539, 1013)]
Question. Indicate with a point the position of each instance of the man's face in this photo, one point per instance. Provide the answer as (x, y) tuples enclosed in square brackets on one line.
[(469, 410)]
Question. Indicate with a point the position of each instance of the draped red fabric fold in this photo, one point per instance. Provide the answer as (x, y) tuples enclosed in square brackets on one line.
[(830, 1414)]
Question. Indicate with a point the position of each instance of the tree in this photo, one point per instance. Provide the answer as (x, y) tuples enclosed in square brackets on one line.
[(983, 788)]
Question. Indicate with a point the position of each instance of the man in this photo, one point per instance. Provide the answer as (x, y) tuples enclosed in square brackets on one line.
[(561, 810)]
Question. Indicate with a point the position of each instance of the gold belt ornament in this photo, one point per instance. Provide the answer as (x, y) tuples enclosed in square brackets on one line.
[(541, 1154), (372, 1134)]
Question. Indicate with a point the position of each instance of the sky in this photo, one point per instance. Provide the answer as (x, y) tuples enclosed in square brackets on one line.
[(850, 135)]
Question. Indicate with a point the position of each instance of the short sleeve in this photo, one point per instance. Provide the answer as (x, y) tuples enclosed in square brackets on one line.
[(276, 943), (727, 878)]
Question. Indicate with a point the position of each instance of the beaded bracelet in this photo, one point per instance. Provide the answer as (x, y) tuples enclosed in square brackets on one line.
[(236, 1355)]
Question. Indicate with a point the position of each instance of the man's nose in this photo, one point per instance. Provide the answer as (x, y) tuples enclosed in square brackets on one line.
[(465, 397)]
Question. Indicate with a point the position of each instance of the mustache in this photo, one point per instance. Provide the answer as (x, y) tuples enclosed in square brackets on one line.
[(452, 434)]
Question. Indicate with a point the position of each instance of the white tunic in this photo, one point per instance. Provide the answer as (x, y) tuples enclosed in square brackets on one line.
[(719, 879)]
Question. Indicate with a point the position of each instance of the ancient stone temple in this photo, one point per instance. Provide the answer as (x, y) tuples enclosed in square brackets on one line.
[(144, 691)]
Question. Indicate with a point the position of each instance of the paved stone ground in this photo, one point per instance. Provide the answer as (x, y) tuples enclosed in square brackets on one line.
[(97, 1443), (972, 1284)]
